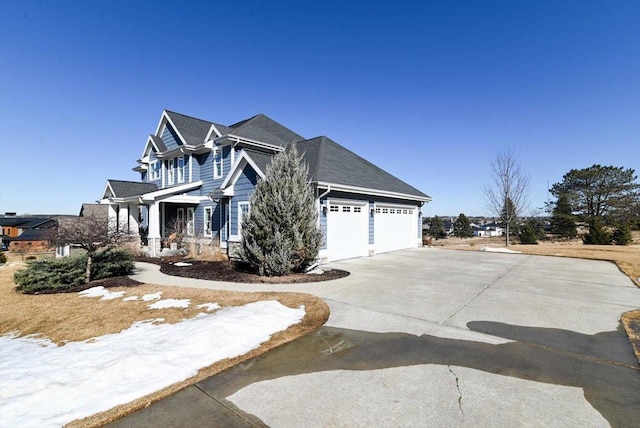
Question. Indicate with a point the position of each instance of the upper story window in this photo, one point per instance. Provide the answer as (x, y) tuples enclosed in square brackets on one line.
[(217, 163), (180, 162), (154, 170), (170, 171)]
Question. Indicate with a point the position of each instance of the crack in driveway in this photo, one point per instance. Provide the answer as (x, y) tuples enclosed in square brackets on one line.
[(458, 388)]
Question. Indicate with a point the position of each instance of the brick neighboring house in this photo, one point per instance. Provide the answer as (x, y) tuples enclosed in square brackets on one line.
[(201, 174), (27, 233)]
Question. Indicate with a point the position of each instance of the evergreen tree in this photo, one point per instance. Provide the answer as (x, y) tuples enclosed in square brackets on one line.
[(598, 234), (531, 231), (280, 234), (563, 222), (462, 227), (622, 234), (436, 229)]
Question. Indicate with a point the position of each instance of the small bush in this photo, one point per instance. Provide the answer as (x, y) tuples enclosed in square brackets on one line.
[(598, 234), (528, 234), (30, 258), (62, 274), (3, 257), (112, 262), (622, 235)]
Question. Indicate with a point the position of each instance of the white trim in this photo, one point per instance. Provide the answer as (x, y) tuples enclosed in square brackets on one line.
[(338, 201), (150, 174), (236, 139), (241, 217), (204, 221), (237, 168), (148, 144), (218, 151), (110, 189), (153, 196), (173, 125), (215, 131), (171, 171), (191, 224), (374, 192), (180, 171)]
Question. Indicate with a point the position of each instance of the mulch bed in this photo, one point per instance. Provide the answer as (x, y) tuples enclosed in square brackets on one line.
[(230, 271)]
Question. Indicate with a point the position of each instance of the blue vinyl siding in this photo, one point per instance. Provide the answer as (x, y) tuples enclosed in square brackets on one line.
[(170, 138), (242, 190), (323, 223), (194, 168)]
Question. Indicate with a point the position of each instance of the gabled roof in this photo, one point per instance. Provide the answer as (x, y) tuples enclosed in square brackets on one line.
[(264, 129), (33, 235), (329, 162), (192, 129), (26, 222), (157, 141), (98, 211), (125, 189)]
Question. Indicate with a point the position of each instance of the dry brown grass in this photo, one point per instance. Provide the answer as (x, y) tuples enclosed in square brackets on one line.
[(631, 322), (68, 317)]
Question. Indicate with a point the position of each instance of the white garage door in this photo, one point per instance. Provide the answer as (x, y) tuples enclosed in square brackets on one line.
[(347, 230), (395, 227)]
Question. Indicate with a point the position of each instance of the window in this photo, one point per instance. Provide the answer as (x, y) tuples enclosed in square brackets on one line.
[(377, 210), (392, 211), (217, 163), (385, 211), (190, 221), (181, 169), (334, 208), (170, 166), (243, 212), (180, 220), (357, 209), (207, 221), (346, 209), (154, 170)]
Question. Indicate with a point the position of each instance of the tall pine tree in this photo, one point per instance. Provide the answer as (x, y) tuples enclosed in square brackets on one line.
[(563, 222), (280, 235), (462, 227)]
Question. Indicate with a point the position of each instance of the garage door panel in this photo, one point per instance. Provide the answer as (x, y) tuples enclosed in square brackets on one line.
[(347, 231), (394, 228)]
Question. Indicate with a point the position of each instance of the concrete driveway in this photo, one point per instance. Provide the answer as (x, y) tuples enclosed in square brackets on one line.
[(432, 337)]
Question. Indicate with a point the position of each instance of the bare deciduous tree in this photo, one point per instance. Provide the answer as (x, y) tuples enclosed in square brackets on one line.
[(507, 195), (90, 233)]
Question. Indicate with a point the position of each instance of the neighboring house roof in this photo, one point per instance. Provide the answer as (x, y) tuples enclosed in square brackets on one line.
[(125, 189), (264, 129), (34, 235), (329, 162), (193, 130), (99, 211), (27, 222)]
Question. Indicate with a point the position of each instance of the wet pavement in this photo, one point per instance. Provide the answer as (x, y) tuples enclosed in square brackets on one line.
[(438, 338)]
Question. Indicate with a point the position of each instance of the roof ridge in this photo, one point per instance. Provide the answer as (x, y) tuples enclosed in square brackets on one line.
[(242, 123), (188, 116)]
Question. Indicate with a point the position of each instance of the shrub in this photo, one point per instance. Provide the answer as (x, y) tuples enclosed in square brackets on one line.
[(598, 234), (65, 273), (622, 234), (280, 233), (528, 234), (3, 257)]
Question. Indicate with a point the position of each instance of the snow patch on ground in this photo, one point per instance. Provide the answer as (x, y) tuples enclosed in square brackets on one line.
[(208, 306), (170, 303), (151, 297), (181, 264), (101, 292), (46, 385), (130, 299), (499, 250)]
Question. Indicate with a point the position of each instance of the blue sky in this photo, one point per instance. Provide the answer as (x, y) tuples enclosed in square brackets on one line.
[(429, 91)]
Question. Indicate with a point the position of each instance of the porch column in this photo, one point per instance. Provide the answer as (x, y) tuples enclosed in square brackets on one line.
[(154, 229)]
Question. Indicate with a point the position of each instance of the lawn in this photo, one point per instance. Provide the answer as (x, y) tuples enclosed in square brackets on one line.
[(70, 320)]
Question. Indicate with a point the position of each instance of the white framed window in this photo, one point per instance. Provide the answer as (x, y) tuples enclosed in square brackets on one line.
[(243, 212), (154, 170), (170, 172), (357, 209), (180, 169), (207, 220), (190, 225), (217, 163), (180, 220), (346, 209), (334, 208)]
